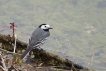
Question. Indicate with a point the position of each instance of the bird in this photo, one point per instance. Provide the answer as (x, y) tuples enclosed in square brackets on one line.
[(37, 38)]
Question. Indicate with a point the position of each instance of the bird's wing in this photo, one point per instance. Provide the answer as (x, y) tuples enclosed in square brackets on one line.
[(41, 42), (38, 38)]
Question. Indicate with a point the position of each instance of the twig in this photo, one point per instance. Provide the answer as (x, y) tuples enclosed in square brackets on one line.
[(8, 51), (3, 63), (15, 43), (73, 68), (40, 64), (15, 68), (2, 68)]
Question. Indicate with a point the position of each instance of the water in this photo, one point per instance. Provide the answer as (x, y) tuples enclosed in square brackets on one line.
[(79, 27)]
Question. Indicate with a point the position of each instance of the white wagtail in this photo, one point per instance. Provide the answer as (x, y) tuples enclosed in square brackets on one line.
[(38, 38)]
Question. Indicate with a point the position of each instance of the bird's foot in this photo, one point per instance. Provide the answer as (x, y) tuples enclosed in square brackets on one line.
[(41, 49)]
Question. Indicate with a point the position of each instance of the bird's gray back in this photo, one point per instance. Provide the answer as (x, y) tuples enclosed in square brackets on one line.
[(37, 36)]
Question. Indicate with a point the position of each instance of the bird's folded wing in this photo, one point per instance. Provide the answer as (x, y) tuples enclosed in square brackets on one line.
[(40, 42)]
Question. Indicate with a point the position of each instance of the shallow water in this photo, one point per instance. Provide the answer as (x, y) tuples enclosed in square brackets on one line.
[(79, 27)]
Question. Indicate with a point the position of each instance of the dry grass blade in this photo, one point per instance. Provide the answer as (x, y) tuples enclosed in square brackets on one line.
[(40, 64), (3, 63)]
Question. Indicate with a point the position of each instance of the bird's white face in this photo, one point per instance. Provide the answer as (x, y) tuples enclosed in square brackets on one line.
[(45, 27)]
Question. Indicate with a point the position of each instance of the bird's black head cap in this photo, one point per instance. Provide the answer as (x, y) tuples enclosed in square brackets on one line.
[(45, 27), (41, 25)]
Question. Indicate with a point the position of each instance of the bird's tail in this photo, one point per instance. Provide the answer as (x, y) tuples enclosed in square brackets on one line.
[(25, 53)]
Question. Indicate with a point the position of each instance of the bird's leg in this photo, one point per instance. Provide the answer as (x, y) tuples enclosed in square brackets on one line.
[(40, 48)]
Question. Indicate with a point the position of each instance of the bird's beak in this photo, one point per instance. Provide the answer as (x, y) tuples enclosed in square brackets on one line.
[(50, 28)]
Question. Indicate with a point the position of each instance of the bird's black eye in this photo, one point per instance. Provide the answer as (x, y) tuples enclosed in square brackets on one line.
[(45, 26)]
